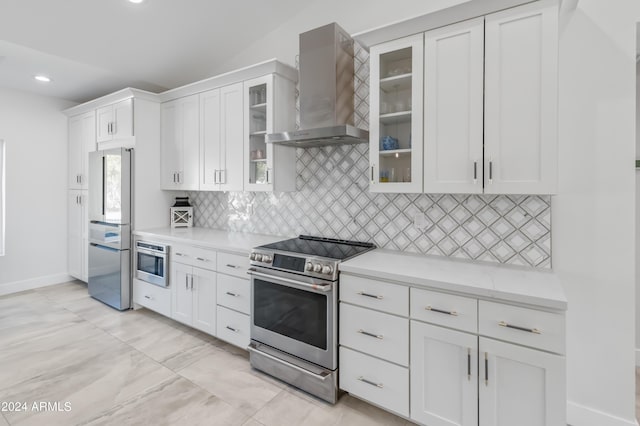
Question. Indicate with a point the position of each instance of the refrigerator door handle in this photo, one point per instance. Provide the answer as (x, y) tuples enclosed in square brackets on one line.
[(104, 247)]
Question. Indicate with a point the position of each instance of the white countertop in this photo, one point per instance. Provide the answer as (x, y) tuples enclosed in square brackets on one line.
[(499, 282), (235, 242)]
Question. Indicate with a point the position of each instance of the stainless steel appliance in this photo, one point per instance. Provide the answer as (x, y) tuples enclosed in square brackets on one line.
[(326, 92), (294, 334), (151, 263), (110, 227)]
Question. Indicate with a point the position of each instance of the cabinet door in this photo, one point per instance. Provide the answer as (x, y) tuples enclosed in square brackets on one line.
[(204, 300), (232, 135), (171, 145), (395, 134), (87, 145), (122, 126), (210, 140), (104, 117), (453, 63), (520, 386), (521, 100), (181, 293), (75, 152), (258, 121), (190, 118), (444, 376), (74, 234)]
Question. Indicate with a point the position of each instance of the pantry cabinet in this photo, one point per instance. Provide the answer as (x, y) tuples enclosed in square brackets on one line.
[(77, 234), (115, 121), (180, 143), (395, 129), (268, 108), (221, 139), (82, 140)]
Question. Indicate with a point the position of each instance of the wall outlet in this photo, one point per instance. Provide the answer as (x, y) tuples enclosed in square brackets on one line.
[(420, 221)]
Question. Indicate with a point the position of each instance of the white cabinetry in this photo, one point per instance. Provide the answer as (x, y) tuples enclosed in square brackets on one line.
[(521, 101), (221, 143), (115, 121), (396, 114), (234, 299), (180, 143), (269, 108), (77, 230), (82, 140), (453, 63)]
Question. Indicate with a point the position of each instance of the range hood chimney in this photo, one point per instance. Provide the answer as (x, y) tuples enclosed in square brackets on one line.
[(326, 92)]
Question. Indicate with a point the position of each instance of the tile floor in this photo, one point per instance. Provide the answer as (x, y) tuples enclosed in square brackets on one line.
[(58, 345)]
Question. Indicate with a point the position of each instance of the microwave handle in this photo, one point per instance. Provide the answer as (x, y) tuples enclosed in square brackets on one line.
[(317, 288)]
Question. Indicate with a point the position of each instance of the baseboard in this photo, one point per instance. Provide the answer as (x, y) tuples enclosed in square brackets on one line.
[(18, 286), (579, 415)]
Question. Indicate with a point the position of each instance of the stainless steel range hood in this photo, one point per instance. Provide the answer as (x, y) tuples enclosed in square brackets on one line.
[(326, 92)]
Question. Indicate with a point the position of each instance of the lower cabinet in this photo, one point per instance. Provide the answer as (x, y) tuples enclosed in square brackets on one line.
[(234, 307), (152, 297), (193, 296), (77, 231)]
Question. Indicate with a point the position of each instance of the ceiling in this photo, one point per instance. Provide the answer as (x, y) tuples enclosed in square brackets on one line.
[(93, 47)]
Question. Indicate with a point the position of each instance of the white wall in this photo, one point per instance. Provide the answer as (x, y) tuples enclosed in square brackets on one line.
[(35, 134), (594, 213)]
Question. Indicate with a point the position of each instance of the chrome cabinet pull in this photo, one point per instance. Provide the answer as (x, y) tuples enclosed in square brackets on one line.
[(232, 294), (486, 369), (202, 259), (186, 281), (369, 382), (114, 127), (225, 176), (371, 173), (235, 330), (374, 296), (233, 266), (516, 327), (147, 297), (475, 172), (468, 364), (179, 254), (268, 176), (490, 171), (440, 311), (191, 282), (215, 176), (366, 333)]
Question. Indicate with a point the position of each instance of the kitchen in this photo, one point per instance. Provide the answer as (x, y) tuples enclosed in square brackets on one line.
[(595, 120)]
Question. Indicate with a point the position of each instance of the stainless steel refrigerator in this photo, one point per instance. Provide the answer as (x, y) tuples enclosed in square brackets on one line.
[(110, 226)]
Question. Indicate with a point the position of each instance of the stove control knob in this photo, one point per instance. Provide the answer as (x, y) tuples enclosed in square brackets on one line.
[(266, 258), (252, 256), (326, 269), (317, 267), (308, 267), (258, 257)]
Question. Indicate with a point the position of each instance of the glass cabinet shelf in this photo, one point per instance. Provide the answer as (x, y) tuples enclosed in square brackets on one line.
[(395, 152), (396, 117), (397, 82)]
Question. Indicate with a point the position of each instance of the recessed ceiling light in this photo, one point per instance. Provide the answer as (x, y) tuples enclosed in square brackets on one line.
[(136, 1), (42, 78)]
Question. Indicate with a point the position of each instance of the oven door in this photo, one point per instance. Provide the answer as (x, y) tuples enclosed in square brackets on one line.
[(151, 267), (295, 314)]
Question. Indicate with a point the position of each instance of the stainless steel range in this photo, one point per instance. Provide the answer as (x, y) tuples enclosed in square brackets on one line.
[(294, 334)]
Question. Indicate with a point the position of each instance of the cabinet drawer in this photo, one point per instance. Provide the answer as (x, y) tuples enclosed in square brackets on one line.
[(234, 293), (445, 309), (233, 264), (374, 294), (204, 258), (371, 379), (382, 335), (233, 327), (182, 253), (529, 327), (152, 297)]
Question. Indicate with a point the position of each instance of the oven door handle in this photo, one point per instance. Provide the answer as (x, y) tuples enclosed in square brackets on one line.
[(318, 288), (151, 252)]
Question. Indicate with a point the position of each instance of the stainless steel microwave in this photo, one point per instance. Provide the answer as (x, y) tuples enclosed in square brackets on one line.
[(152, 263)]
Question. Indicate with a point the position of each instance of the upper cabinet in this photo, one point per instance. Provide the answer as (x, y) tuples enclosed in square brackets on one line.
[(396, 116), (115, 121), (490, 106), (180, 141), (82, 140), (521, 100), (269, 107)]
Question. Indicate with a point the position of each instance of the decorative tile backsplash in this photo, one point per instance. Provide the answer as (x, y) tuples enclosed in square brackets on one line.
[(333, 200)]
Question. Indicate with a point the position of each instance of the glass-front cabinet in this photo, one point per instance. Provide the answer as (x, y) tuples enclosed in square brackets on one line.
[(269, 108), (396, 116)]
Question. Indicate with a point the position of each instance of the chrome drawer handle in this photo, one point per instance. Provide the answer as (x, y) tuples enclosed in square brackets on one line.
[(362, 293), (147, 297), (233, 266), (232, 294), (180, 254), (440, 311), (366, 333), (201, 259), (515, 327), (369, 382), (235, 330)]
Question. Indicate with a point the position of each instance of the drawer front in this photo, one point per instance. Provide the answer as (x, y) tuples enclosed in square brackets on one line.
[(233, 264), (234, 293), (371, 379), (445, 309), (529, 327), (182, 254), (391, 298), (152, 297), (233, 327), (204, 258), (375, 333)]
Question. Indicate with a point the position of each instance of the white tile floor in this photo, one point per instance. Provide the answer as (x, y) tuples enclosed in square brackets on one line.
[(137, 367)]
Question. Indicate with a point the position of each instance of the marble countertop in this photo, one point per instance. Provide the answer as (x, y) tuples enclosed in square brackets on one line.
[(234, 242), (499, 282)]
